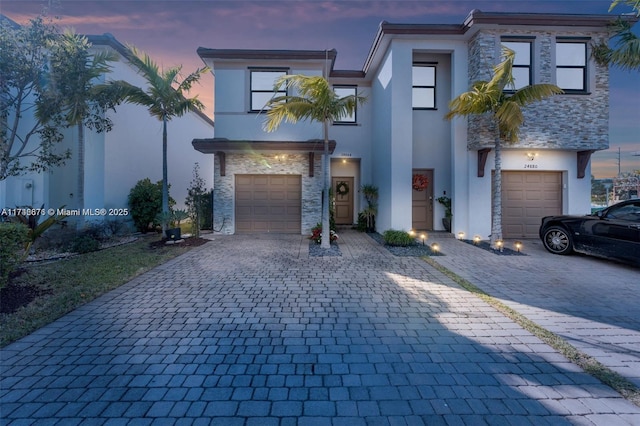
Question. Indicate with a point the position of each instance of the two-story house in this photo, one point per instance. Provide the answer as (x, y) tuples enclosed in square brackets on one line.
[(272, 182)]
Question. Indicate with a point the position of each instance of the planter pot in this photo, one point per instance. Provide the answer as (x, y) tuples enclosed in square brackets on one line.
[(446, 222), (173, 234)]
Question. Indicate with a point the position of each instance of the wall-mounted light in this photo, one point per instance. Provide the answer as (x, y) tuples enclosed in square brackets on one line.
[(281, 157), (344, 161), (531, 156)]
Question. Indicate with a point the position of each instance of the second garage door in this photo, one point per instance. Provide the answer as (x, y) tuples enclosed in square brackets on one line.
[(526, 198), (268, 203)]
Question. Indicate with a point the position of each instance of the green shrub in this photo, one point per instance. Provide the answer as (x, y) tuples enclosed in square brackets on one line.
[(13, 237), (85, 244), (397, 238), (145, 204)]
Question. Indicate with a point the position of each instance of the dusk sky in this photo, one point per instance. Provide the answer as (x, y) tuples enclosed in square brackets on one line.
[(171, 31)]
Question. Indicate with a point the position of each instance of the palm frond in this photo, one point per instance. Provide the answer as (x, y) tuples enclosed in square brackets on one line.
[(534, 93), (503, 72), (314, 99), (510, 119), (634, 4)]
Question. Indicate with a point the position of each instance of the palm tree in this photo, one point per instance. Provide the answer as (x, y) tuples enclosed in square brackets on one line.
[(625, 53), (75, 71), (505, 108), (165, 98), (316, 101)]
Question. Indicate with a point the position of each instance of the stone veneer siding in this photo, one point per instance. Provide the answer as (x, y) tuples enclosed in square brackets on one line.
[(255, 164), (568, 122)]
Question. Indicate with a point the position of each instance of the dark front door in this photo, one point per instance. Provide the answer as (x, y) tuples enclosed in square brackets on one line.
[(343, 195), (422, 202)]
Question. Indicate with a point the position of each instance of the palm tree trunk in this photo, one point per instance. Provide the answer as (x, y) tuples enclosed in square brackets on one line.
[(80, 181), (496, 201), (326, 232), (165, 180)]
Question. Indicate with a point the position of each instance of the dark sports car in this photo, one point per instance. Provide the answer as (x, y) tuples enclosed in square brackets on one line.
[(612, 233)]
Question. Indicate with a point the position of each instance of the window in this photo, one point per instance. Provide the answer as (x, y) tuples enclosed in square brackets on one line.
[(262, 87), (424, 86), (571, 65), (343, 91), (522, 63)]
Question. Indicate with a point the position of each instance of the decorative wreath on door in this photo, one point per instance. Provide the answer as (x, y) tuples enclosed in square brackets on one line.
[(420, 182), (342, 188)]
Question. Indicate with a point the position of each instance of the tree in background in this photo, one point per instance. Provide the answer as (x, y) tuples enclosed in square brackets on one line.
[(505, 110), (316, 101), (165, 99), (625, 53), (26, 91), (75, 72)]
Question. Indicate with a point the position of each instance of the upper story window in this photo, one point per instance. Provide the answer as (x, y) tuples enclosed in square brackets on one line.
[(343, 91), (261, 87), (522, 75), (571, 65), (424, 86)]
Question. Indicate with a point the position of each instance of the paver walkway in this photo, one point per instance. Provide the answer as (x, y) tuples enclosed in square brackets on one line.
[(250, 330)]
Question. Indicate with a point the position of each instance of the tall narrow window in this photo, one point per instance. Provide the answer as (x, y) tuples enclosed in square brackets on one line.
[(571, 65), (262, 87), (424, 86), (522, 63), (343, 91)]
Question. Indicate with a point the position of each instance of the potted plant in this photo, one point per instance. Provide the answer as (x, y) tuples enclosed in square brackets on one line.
[(448, 214)]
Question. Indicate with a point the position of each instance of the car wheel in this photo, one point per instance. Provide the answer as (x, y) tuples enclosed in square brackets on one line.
[(557, 240)]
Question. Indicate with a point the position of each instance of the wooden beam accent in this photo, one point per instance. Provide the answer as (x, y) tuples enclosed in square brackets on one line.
[(223, 163), (312, 158), (482, 160), (583, 161)]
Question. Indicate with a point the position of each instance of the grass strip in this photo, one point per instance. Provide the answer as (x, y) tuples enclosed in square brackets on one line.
[(589, 364), (67, 284)]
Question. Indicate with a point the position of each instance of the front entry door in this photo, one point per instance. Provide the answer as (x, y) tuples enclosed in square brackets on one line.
[(343, 193), (422, 202)]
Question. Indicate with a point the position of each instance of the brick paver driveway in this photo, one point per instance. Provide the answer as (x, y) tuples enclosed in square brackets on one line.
[(250, 330)]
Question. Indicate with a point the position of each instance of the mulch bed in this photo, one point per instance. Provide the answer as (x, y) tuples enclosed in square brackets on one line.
[(485, 245), (14, 296), (186, 242), (414, 250)]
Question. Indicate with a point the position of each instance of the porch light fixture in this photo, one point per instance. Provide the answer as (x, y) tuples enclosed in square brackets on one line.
[(518, 245), (531, 155), (460, 235), (423, 237), (476, 239), (281, 157), (435, 247)]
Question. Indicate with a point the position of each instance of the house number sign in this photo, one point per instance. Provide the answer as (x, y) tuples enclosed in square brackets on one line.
[(530, 166)]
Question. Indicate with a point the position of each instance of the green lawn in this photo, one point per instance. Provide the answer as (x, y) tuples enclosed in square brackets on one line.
[(64, 285)]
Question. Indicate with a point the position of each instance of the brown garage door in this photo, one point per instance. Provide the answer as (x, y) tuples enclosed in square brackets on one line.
[(268, 203), (526, 198)]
